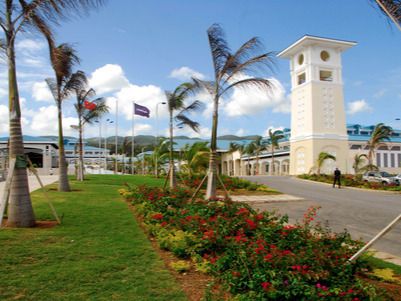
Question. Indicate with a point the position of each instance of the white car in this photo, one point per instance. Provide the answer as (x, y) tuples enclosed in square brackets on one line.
[(379, 177), (397, 178)]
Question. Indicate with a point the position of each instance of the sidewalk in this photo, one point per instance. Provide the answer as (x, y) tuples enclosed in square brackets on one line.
[(260, 199), (33, 182)]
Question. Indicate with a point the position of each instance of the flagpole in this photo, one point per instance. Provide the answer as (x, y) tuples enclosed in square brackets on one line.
[(132, 138), (116, 139)]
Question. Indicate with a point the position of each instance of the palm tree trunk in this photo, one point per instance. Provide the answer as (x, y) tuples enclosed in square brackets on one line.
[(63, 184), (81, 152), (212, 172), (20, 211), (172, 179)]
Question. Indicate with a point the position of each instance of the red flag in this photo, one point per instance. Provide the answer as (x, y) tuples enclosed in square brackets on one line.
[(89, 105)]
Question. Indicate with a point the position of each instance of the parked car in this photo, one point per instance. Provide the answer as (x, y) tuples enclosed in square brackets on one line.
[(398, 178), (379, 177)]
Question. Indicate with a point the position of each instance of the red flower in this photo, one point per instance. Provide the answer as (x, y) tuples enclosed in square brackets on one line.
[(265, 285), (242, 211), (163, 224), (208, 234), (236, 274), (259, 216), (268, 257), (157, 216), (251, 224)]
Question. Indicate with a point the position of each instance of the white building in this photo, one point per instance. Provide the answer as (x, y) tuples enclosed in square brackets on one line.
[(318, 121)]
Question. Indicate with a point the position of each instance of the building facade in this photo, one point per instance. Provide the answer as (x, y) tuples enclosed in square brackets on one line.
[(318, 122)]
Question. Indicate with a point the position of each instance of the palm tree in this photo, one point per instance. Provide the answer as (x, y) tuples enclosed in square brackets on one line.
[(358, 160), (259, 146), (87, 114), (63, 58), (323, 156), (232, 148), (15, 17), (230, 70), (274, 137), (195, 157), (160, 153), (380, 133), (249, 150), (176, 105)]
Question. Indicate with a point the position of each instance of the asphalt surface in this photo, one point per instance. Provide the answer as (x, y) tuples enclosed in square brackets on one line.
[(362, 213)]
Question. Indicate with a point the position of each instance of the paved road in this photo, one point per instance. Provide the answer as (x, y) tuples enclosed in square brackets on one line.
[(362, 213), (33, 182)]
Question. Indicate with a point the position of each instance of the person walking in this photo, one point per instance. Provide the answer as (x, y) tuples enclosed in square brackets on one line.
[(337, 178)]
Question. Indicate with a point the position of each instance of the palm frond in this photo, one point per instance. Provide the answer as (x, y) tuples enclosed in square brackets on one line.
[(76, 82), (194, 106), (89, 116), (219, 48), (391, 9), (260, 83), (52, 84), (185, 121), (202, 85), (63, 58)]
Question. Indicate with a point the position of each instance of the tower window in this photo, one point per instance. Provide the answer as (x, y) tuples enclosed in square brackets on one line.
[(326, 76), (324, 55), (301, 78), (300, 59)]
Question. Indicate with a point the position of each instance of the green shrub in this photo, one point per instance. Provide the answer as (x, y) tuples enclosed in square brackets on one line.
[(181, 266)]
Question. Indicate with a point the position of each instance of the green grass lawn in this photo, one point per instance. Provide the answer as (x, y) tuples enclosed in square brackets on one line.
[(98, 253)]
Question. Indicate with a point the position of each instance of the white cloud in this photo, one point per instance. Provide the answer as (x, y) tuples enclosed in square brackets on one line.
[(148, 96), (30, 45), (240, 132), (108, 78), (186, 73), (253, 101), (358, 106), (139, 129), (45, 122), (41, 92), (3, 119), (273, 129)]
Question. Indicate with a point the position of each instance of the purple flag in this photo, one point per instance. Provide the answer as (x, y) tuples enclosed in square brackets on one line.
[(141, 111)]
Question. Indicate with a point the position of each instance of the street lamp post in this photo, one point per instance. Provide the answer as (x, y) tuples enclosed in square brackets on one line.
[(157, 135), (100, 143), (108, 121), (143, 160)]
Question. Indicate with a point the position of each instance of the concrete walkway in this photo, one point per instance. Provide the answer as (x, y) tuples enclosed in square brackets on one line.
[(33, 182), (261, 199)]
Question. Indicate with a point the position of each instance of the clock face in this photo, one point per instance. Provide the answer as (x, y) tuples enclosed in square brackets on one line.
[(300, 59), (324, 55)]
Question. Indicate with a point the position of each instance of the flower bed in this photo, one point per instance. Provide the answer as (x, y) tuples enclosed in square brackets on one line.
[(257, 255), (231, 183)]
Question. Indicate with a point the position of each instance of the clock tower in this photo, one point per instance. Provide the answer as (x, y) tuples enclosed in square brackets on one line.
[(317, 103)]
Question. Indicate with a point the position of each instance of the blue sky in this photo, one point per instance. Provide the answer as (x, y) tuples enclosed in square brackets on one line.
[(134, 50)]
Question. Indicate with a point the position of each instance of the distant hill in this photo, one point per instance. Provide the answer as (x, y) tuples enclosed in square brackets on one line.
[(237, 138)]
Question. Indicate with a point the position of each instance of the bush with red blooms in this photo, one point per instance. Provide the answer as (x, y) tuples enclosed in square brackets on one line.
[(257, 255)]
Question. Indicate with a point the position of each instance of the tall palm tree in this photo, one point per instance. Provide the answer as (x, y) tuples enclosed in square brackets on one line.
[(87, 113), (232, 148), (231, 70), (259, 146), (160, 153), (15, 17), (274, 137), (379, 134), (195, 157), (63, 58), (177, 112), (358, 161), (323, 156)]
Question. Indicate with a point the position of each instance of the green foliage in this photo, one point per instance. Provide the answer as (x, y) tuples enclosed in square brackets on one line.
[(181, 266), (257, 255)]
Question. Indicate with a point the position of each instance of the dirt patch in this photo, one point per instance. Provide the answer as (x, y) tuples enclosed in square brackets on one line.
[(38, 224), (392, 290)]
